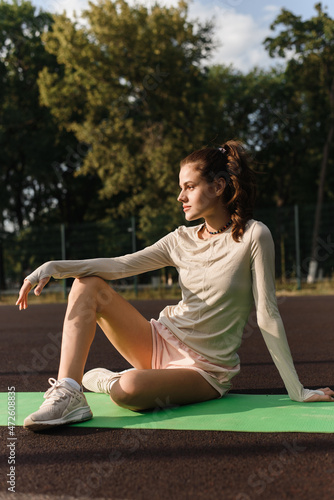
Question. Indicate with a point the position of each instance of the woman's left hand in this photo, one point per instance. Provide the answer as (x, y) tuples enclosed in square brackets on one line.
[(327, 396)]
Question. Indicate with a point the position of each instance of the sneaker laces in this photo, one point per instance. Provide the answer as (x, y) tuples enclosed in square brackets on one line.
[(56, 391), (104, 385)]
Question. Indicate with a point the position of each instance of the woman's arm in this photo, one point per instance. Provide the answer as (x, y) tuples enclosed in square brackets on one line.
[(153, 257), (269, 319)]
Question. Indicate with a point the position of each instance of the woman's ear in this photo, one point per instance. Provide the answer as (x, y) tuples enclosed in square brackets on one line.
[(220, 185)]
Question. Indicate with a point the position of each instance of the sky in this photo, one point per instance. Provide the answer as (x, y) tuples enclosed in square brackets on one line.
[(240, 25)]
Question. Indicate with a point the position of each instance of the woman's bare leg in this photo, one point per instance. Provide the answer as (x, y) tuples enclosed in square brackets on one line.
[(92, 301), (148, 389)]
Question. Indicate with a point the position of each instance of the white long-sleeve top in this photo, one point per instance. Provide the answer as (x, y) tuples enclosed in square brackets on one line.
[(220, 280)]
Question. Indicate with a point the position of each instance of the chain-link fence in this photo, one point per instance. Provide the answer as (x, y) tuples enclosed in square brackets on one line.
[(21, 253), (291, 227), (292, 230)]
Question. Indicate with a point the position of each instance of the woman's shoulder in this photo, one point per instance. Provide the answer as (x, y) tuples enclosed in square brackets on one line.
[(188, 230), (182, 233), (257, 230), (254, 223), (185, 231)]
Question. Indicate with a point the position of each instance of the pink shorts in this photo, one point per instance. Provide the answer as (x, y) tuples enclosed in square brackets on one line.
[(169, 352)]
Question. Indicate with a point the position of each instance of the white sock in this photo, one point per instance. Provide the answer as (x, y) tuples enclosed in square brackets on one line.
[(117, 377), (73, 383), (112, 382), (127, 370)]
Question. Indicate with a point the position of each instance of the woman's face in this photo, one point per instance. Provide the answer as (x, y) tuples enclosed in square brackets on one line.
[(198, 197)]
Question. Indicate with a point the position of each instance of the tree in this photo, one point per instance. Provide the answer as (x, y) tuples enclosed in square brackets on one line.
[(312, 67), (38, 159), (25, 128), (132, 88)]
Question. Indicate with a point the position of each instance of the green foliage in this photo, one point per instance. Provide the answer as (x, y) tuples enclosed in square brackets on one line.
[(133, 88), (311, 70), (312, 44), (37, 163), (25, 130), (98, 112)]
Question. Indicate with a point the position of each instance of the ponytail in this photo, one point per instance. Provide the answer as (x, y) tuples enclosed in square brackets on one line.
[(239, 195)]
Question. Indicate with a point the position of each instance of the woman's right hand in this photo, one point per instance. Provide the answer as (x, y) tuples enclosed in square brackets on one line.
[(22, 301)]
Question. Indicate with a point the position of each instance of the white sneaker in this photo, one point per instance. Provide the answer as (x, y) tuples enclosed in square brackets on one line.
[(98, 379), (63, 405)]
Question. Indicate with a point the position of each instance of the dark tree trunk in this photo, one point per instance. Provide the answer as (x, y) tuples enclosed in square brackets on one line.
[(317, 220)]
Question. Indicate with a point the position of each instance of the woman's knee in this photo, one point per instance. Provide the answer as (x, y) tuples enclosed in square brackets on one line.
[(93, 287), (128, 391), (93, 282)]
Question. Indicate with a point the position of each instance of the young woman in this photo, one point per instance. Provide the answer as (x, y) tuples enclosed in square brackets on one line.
[(190, 354)]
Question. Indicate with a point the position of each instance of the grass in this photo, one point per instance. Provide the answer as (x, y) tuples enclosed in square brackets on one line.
[(57, 297), (46, 298), (325, 287)]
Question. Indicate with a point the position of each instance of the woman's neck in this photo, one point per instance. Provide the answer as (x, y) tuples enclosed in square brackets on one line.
[(217, 221), (215, 225)]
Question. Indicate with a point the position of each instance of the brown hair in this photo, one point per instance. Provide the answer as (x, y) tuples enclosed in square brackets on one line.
[(231, 162)]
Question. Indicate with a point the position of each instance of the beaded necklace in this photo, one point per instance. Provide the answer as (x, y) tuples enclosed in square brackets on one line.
[(219, 230)]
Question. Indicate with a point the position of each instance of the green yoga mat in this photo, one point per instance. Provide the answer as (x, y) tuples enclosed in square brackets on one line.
[(234, 412)]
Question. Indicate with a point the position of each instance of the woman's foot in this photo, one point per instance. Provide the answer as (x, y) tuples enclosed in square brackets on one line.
[(99, 379), (63, 405)]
